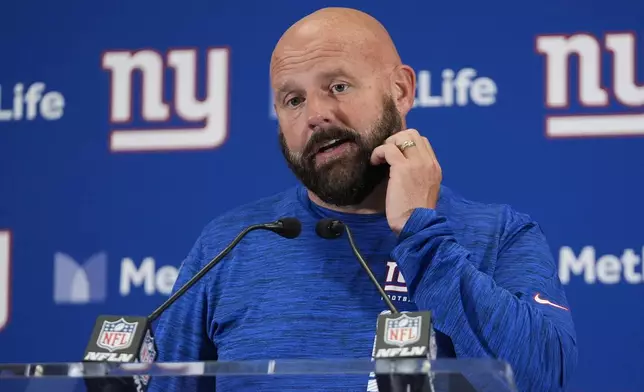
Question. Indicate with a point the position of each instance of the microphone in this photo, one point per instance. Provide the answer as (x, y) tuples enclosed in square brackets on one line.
[(401, 338), (129, 339), (331, 229), (286, 227)]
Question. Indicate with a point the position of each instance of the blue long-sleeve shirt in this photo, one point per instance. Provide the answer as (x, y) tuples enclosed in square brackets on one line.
[(484, 271)]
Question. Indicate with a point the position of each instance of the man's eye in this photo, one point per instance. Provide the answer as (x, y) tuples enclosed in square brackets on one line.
[(294, 101), (340, 87)]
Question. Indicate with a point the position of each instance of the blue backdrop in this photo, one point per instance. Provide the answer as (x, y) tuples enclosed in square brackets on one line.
[(107, 179)]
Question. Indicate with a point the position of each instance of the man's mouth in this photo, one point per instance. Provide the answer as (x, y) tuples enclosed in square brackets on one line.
[(333, 143)]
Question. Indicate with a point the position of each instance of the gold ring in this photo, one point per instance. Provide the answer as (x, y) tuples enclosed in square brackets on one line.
[(406, 144)]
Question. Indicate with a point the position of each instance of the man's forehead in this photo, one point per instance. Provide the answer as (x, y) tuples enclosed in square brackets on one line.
[(332, 36), (323, 46), (322, 60)]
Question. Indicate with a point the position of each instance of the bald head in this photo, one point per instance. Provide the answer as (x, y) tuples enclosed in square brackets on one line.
[(352, 31), (337, 48)]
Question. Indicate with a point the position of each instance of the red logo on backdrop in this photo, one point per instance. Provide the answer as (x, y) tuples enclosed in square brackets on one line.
[(116, 335)]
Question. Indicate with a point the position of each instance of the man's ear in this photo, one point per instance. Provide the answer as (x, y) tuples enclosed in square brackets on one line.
[(403, 80)]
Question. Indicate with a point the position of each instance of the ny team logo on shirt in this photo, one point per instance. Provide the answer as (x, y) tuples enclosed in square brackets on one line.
[(395, 285)]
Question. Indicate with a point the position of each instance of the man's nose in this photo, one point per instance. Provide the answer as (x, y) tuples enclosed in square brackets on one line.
[(320, 111)]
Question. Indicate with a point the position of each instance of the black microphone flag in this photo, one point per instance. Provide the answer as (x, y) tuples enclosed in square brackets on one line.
[(399, 336), (403, 335), (121, 339), (129, 339), (126, 334)]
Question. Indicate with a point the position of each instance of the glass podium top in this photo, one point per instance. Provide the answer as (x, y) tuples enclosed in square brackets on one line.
[(382, 375)]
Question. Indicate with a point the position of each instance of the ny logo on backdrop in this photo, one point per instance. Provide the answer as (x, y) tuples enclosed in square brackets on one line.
[(204, 121), (593, 93), (80, 284), (5, 277)]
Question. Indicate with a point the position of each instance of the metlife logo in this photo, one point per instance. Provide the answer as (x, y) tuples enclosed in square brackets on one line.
[(78, 283), (464, 87), (28, 102), (152, 280), (447, 88), (586, 265)]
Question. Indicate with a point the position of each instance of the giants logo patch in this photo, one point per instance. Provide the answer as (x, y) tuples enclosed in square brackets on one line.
[(585, 111), (395, 285), (207, 118)]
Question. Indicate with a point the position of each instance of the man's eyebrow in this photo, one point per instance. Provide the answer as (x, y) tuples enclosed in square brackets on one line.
[(289, 86), (285, 87), (334, 73)]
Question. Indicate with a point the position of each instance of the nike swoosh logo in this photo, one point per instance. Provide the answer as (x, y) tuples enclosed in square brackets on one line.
[(543, 301)]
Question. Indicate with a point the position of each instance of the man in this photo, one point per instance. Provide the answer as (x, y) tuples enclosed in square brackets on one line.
[(484, 271)]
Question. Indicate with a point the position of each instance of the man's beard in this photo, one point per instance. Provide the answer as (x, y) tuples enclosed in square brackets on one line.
[(349, 180)]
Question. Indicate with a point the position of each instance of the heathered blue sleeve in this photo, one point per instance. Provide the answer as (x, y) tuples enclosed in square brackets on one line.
[(493, 316), (181, 333)]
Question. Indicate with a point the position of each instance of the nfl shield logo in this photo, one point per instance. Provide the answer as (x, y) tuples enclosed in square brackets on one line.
[(403, 330), (148, 354), (116, 335)]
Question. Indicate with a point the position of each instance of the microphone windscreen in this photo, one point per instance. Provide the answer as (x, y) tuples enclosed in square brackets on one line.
[(291, 227), (328, 228)]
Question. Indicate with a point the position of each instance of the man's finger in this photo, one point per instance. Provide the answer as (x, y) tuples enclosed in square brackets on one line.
[(415, 151), (399, 137), (429, 148), (387, 153)]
